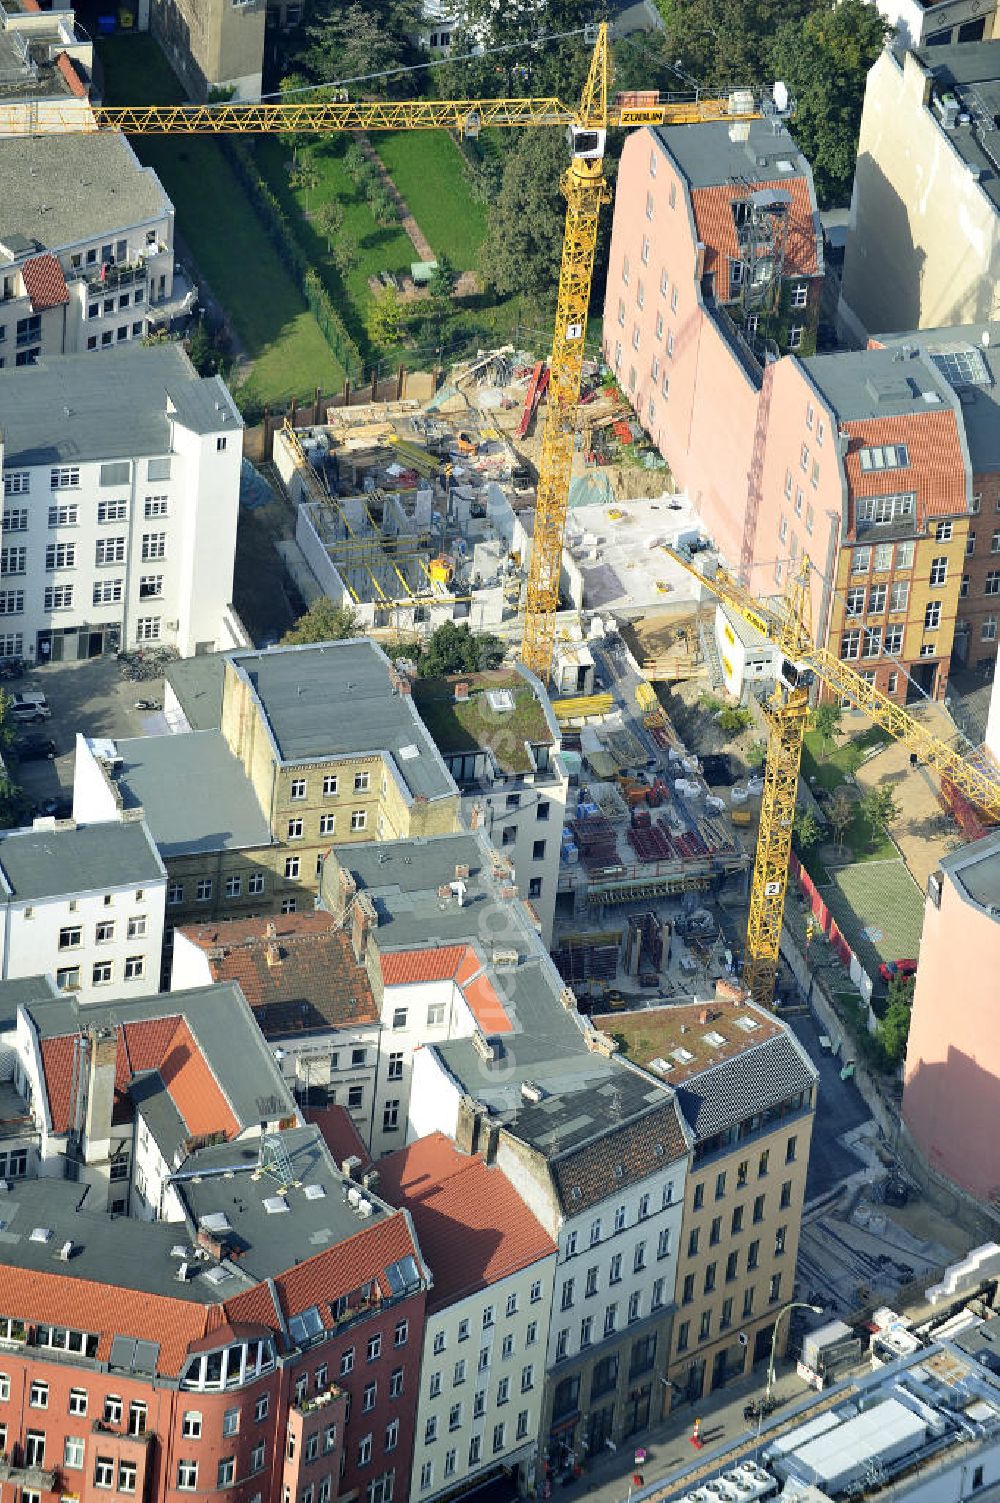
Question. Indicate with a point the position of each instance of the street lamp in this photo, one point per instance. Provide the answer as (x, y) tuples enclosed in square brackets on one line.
[(794, 1305)]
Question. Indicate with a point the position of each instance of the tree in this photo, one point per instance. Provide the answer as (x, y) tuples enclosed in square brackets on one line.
[(345, 254), (879, 808), (523, 244), (349, 41), (840, 813), (826, 719), (329, 220), (457, 649), (306, 177), (290, 91), (825, 61), (323, 622), (806, 830), (441, 283), (893, 1028), (384, 317)]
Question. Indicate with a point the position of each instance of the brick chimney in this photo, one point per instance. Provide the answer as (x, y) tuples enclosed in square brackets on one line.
[(363, 920), (346, 889), (272, 954), (271, 929), (103, 1052)]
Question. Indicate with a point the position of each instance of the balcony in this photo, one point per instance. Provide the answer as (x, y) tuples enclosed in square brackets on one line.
[(37, 1478), (118, 276), (318, 1401)]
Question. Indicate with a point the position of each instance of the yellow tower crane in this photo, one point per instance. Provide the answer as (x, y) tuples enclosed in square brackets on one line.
[(786, 621), (584, 186)]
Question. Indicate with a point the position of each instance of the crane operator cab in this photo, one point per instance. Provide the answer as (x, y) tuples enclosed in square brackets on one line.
[(585, 145)]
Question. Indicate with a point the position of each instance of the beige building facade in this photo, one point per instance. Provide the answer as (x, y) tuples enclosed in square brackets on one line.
[(923, 244), (213, 44)]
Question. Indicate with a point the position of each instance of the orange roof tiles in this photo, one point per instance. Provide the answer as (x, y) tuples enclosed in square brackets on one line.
[(937, 465), (458, 963), (343, 1268), (302, 976), (473, 1227), (73, 80), (44, 283), (339, 1133), (713, 216), (194, 1089), (164, 1044), (106, 1309), (436, 963), (486, 1007)]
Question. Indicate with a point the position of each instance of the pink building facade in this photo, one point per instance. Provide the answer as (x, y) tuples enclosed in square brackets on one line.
[(951, 1095)]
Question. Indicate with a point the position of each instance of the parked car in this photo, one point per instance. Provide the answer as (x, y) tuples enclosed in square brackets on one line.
[(54, 808), (34, 748), (30, 706), (890, 970)]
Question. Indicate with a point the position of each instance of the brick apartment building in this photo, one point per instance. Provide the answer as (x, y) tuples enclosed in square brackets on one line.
[(864, 460), (198, 1300)]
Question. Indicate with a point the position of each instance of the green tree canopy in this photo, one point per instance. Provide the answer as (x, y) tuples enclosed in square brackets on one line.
[(805, 829), (384, 317), (894, 1025), (323, 622), (879, 807), (523, 244), (825, 720), (825, 61), (347, 40), (458, 649), (329, 220)]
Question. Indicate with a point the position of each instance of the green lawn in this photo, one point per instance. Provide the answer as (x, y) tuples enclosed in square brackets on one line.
[(880, 909), (227, 240), (382, 248), (428, 169)]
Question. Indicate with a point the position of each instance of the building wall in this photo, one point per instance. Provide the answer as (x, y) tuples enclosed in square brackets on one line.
[(536, 821), (213, 44), (407, 1025), (86, 513), (734, 1210), (40, 938), (483, 1368), (978, 624), (913, 202), (951, 1092)]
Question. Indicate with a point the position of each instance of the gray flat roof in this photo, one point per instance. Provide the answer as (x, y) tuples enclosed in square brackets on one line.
[(869, 384), (78, 858), (975, 870), (273, 1240), (337, 699), (971, 71), (197, 683), (223, 1026), (110, 1250), (751, 1082), (59, 412), (62, 190), (709, 157), (194, 792), (973, 370)]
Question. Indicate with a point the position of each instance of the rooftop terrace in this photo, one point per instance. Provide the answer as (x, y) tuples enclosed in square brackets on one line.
[(501, 713)]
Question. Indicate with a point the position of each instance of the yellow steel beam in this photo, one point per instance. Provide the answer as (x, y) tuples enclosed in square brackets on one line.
[(582, 705)]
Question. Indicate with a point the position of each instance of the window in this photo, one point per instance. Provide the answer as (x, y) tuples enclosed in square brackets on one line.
[(59, 598), (73, 1452), (873, 511), (60, 556), (390, 1116), (104, 1472), (11, 602), (359, 819), (932, 615), (155, 506), (683, 1335), (135, 967), (988, 632), (992, 582), (780, 1235), (899, 596), (876, 599), (291, 866), (108, 591), (401, 1333), (154, 545), (77, 1400), (850, 644), (774, 1293), (64, 477), (753, 1255), (101, 973), (794, 341), (147, 629), (203, 890), (17, 483), (885, 457), (16, 521), (187, 1475), (110, 550), (191, 1425)]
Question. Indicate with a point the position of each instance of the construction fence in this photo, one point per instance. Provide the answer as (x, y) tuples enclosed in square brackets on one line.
[(830, 928)]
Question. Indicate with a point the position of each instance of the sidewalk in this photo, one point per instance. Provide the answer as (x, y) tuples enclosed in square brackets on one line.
[(669, 1452)]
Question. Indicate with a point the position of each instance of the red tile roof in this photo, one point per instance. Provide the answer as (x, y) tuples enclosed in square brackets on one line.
[(73, 80), (937, 466), (44, 283), (713, 217), (298, 972), (458, 963), (472, 1226), (339, 1133), (344, 1268), (106, 1309), (164, 1044), (407, 967)]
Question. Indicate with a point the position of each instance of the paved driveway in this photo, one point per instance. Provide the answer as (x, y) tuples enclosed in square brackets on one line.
[(89, 697), (840, 1108)]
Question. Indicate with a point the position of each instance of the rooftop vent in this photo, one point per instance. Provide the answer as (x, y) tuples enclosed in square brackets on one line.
[(66, 1251), (184, 1272), (487, 1049), (215, 1221), (532, 1092), (217, 1275), (681, 1056), (660, 1065), (274, 1205), (41, 1234), (501, 701), (714, 1040), (409, 752), (314, 1192)]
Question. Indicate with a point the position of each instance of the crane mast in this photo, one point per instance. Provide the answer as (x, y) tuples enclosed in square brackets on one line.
[(583, 185), (787, 623)]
